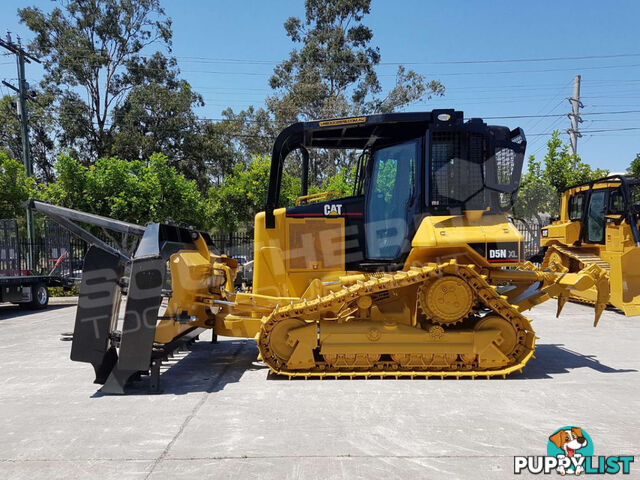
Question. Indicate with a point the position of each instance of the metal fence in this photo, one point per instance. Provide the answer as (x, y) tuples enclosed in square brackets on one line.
[(48, 258), (531, 233), (234, 244), (54, 251)]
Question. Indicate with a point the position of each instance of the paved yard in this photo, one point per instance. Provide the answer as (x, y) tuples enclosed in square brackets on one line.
[(220, 416)]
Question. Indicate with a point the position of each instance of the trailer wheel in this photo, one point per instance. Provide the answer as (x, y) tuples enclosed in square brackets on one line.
[(39, 297)]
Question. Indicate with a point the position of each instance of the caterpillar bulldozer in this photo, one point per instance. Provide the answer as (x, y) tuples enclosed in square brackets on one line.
[(599, 225), (419, 273)]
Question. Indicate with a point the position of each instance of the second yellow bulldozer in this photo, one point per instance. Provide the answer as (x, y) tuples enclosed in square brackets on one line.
[(418, 273), (598, 225)]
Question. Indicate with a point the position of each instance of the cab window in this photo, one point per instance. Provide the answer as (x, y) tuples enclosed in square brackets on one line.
[(576, 207), (616, 202)]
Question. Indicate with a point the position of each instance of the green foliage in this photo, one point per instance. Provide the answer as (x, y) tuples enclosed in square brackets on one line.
[(243, 193), (634, 168), (542, 186), (252, 131), (160, 118), (133, 191), (536, 194), (563, 169), (110, 94), (342, 182), (387, 171), (15, 187), (73, 291)]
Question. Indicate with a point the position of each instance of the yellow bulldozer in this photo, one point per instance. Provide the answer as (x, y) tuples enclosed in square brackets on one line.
[(598, 225), (418, 273)]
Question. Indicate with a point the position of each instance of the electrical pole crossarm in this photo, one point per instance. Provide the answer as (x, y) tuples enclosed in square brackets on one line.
[(8, 85), (18, 50)]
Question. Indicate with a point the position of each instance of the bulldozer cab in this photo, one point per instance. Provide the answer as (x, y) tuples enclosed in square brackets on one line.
[(599, 224), (603, 205), (410, 165)]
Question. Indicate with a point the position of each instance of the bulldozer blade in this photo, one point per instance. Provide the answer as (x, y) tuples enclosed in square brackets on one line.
[(139, 326), (98, 304)]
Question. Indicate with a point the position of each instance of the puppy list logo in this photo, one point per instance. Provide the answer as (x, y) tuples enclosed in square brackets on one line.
[(570, 452)]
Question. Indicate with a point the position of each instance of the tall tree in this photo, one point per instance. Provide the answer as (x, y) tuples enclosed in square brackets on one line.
[(331, 72), (158, 115), (536, 195), (95, 47), (252, 131)]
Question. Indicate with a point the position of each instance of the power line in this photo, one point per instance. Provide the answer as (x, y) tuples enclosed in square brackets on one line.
[(78, 59), (245, 61), (561, 115), (245, 120), (441, 74), (588, 131)]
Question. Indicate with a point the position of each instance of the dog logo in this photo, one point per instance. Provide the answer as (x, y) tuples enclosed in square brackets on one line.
[(570, 452), (570, 443)]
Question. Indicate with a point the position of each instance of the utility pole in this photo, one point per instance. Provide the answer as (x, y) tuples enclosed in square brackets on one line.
[(576, 105), (23, 57)]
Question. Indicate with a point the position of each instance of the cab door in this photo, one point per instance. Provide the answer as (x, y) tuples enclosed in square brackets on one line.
[(596, 220), (391, 200)]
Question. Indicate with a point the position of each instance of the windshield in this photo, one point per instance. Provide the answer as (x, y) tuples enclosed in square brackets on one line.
[(392, 187)]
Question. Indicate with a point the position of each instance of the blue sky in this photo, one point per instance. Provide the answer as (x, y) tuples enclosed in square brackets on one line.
[(209, 36)]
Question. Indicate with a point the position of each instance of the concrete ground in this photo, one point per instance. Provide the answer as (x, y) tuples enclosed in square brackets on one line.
[(221, 416)]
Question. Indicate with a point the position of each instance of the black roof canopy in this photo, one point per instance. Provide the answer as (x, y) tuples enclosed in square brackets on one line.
[(359, 132)]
